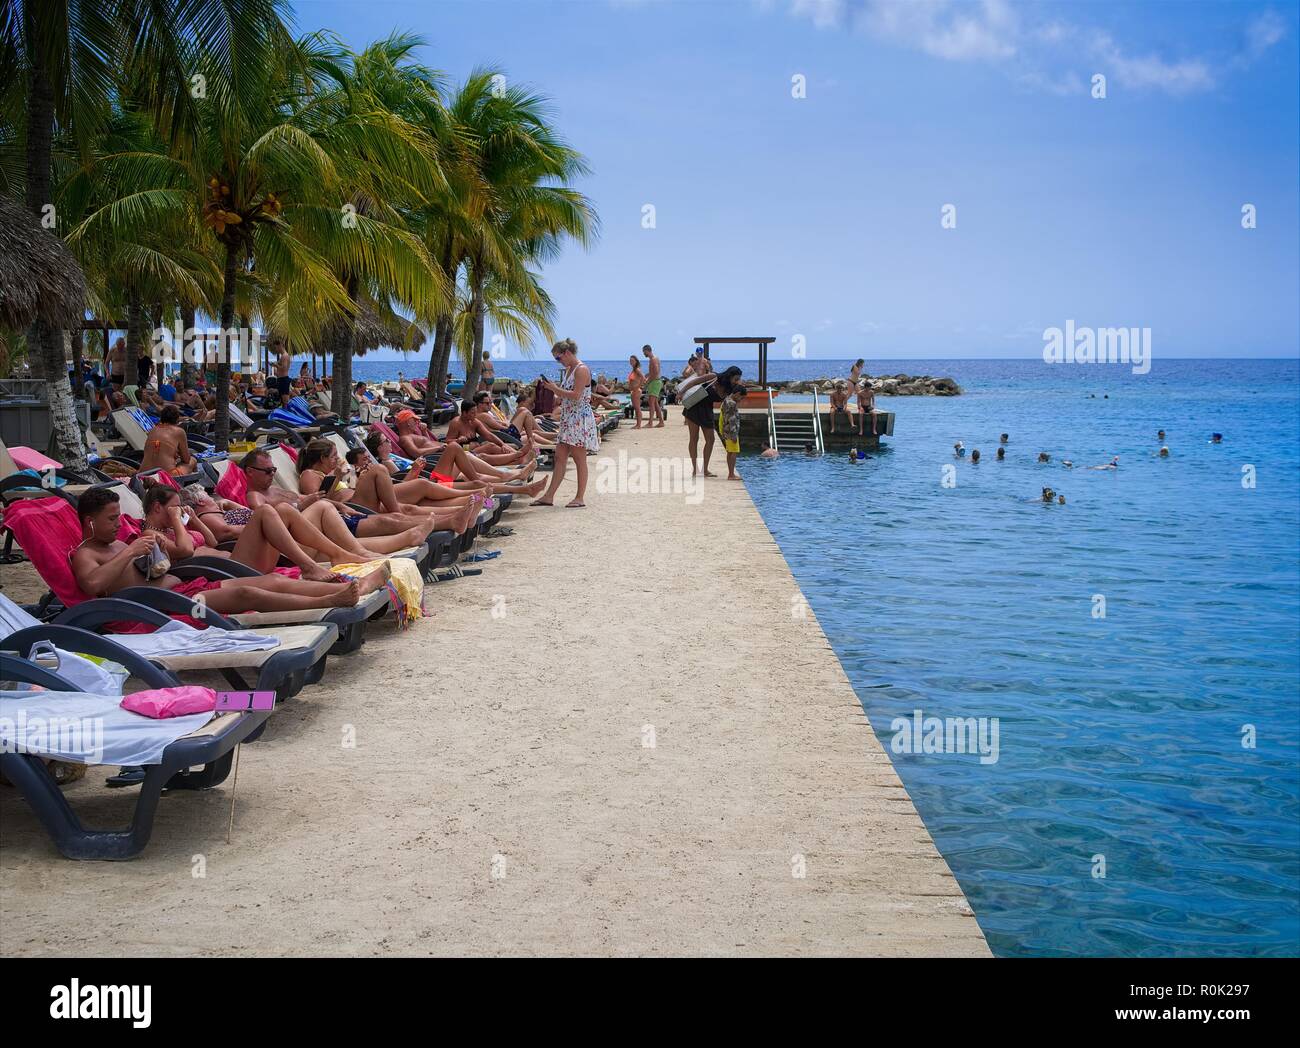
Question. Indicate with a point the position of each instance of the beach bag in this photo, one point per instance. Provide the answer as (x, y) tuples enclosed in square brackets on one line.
[(694, 395)]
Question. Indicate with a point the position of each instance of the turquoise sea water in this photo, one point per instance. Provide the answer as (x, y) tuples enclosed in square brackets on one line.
[(1119, 737)]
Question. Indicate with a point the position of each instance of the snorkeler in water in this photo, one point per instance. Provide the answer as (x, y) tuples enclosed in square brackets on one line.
[(959, 449), (1048, 495), (1112, 464)]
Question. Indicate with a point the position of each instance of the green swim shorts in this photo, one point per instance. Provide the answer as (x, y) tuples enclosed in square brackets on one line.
[(653, 389)]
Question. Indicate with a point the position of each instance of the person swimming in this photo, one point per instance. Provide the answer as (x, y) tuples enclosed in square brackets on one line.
[(1043, 456), (1216, 438), (1002, 454), (975, 456), (959, 449), (768, 452), (1067, 463), (1004, 438), (1060, 500), (1112, 464), (1048, 495), (1160, 434), (1164, 452)]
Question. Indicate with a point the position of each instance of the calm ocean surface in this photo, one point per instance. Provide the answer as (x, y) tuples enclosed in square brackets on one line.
[(1120, 738)]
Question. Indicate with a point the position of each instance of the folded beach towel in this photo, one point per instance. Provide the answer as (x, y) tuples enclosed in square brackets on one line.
[(165, 703), (405, 588)]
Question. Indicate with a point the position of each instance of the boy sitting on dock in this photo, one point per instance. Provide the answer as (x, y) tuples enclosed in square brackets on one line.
[(866, 404), (840, 404)]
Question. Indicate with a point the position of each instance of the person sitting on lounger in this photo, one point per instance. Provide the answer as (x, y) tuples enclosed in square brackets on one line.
[(166, 447), (102, 566), (379, 531), (452, 460), (261, 543), (526, 423), (469, 429), (415, 489), (375, 490)]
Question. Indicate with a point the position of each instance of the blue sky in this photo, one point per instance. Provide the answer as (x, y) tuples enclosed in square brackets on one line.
[(820, 216)]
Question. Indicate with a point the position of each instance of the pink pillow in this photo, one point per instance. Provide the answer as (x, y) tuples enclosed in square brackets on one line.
[(171, 702)]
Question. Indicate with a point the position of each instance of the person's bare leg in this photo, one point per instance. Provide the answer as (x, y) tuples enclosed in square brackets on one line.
[(694, 445), (265, 537), (221, 531), (421, 491), (236, 595), (580, 465), (708, 450), (320, 528), (557, 475)]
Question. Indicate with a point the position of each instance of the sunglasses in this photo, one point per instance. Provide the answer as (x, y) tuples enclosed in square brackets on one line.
[(265, 469)]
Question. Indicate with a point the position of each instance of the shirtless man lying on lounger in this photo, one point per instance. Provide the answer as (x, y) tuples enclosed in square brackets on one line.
[(375, 491), (454, 461), (259, 543), (165, 446), (102, 566), (379, 531)]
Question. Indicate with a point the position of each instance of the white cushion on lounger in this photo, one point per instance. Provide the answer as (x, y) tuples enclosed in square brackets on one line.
[(289, 637), (370, 603)]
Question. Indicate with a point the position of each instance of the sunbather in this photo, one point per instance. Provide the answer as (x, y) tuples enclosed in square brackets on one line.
[(380, 531), (260, 544), (526, 422), (102, 565), (166, 447), (472, 429), (454, 461), (375, 490)]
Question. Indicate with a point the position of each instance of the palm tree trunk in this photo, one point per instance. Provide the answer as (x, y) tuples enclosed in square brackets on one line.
[(437, 380), (344, 340), (477, 316), (134, 322), (223, 355), (78, 355), (187, 324), (47, 343)]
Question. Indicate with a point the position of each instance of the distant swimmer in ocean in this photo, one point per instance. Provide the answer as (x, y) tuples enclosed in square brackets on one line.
[(975, 456), (1004, 438), (1049, 495), (1216, 438), (1164, 452), (1002, 453), (1160, 434), (1060, 500), (768, 452), (1043, 456), (1112, 464), (959, 449)]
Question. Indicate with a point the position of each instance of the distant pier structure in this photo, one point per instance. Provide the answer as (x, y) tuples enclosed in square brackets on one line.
[(792, 425)]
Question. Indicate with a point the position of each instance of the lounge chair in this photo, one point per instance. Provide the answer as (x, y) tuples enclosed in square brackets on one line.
[(209, 748), (47, 529)]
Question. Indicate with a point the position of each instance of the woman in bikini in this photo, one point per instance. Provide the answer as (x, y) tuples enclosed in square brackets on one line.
[(165, 446), (526, 422), (375, 490), (635, 384)]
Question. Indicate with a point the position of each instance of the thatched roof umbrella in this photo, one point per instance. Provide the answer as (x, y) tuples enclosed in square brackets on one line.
[(39, 278)]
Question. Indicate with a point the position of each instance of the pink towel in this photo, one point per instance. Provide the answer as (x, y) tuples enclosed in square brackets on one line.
[(171, 702), (26, 458), (233, 485)]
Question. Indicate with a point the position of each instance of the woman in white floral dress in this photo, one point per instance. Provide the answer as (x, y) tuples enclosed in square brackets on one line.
[(577, 432)]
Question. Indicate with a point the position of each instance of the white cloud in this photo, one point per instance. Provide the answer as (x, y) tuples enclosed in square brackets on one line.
[(1042, 53)]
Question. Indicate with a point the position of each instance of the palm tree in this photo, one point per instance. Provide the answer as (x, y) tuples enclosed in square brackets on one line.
[(65, 55), (525, 207)]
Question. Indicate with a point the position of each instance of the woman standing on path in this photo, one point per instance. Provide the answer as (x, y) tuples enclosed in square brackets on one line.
[(577, 433), (635, 383), (698, 413)]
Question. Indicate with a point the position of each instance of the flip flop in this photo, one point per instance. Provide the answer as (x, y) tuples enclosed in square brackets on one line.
[(125, 777)]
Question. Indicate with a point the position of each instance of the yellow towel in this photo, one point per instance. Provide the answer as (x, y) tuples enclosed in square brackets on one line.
[(405, 588)]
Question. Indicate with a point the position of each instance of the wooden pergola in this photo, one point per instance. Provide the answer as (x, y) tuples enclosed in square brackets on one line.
[(762, 344)]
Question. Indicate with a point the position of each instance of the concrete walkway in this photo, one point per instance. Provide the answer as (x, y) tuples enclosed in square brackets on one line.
[(622, 738)]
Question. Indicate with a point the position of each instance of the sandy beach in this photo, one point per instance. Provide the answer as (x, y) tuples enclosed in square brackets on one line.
[(627, 736)]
